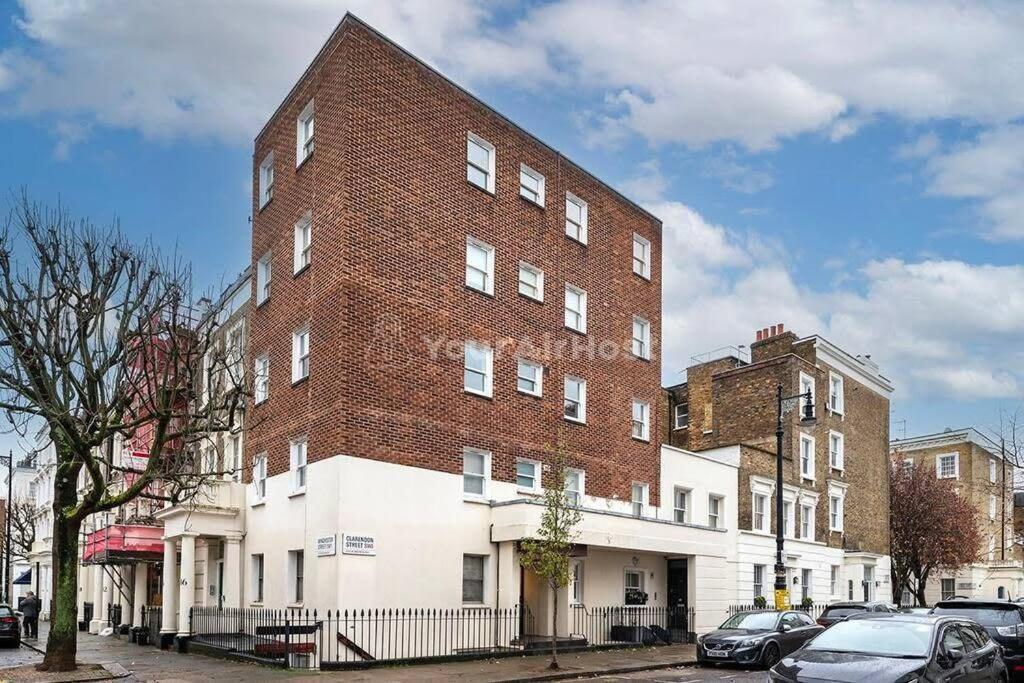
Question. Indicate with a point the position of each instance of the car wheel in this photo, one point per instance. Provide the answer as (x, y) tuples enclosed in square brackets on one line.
[(770, 655)]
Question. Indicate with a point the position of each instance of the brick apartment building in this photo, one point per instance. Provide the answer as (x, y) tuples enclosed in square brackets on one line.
[(439, 300), (977, 466), (836, 495)]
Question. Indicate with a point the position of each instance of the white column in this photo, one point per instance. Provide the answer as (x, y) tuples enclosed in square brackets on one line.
[(83, 589), (108, 595), (124, 593), (97, 598), (187, 595), (139, 593), (232, 571), (169, 588), (203, 562)]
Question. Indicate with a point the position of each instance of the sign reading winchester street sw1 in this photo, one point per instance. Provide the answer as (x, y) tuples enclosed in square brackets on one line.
[(326, 546), (356, 544)]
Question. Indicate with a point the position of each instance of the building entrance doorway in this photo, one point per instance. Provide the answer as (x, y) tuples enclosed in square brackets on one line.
[(678, 599)]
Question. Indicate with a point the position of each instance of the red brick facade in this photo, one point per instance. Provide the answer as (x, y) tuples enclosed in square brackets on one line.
[(391, 211)]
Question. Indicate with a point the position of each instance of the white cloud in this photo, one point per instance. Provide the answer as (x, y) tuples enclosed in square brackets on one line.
[(989, 169), (736, 175), (935, 326)]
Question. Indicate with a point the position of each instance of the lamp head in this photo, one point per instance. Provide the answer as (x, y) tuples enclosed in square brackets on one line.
[(807, 414)]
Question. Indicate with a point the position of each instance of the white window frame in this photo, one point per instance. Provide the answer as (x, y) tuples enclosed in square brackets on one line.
[(808, 471), (683, 493), (525, 192), (956, 466), (484, 477), (487, 372), (788, 518), (538, 274), (235, 446), (581, 314), (296, 575), (991, 506), (266, 179), (640, 573), (836, 450), (304, 122), (992, 471), (806, 579), (757, 583), (488, 272), (641, 345), (303, 243), (488, 186), (261, 379), (839, 404), (643, 420), (264, 276), (483, 579), (807, 381), (833, 585), (806, 522), (259, 477), (836, 503), (572, 226), (715, 518), (582, 402), (639, 505), (575, 497), (766, 518), (298, 458), (576, 583), (535, 466), (259, 567), (643, 263), (537, 378), (676, 415), (210, 459), (300, 355)]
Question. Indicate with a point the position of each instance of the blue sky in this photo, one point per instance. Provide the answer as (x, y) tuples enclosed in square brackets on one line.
[(854, 171)]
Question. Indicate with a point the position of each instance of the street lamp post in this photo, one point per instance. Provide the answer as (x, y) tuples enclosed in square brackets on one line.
[(807, 418), (7, 531)]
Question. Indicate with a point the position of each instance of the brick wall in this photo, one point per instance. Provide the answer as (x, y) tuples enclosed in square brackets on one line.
[(743, 404), (391, 211)]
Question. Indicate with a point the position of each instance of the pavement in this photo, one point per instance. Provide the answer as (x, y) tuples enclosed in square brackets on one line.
[(147, 663)]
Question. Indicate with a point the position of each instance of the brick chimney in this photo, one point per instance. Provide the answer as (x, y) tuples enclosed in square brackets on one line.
[(770, 342)]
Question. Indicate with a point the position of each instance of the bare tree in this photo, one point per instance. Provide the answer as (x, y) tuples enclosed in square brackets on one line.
[(100, 339), (23, 529)]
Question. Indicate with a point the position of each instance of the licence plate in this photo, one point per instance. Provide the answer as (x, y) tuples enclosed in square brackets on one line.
[(718, 653)]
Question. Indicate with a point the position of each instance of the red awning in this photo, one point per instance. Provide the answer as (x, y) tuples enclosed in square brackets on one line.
[(121, 542)]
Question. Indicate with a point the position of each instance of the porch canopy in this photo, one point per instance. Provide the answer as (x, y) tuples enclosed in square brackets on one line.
[(123, 543)]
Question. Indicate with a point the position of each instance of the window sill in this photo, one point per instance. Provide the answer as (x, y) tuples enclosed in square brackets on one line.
[(258, 503), (258, 603), (300, 271), (265, 205), (293, 605), (531, 298), (582, 333), (528, 492), (837, 468), (643, 358), (476, 500), (303, 161), (297, 492), (538, 205), (482, 189), (260, 402), (261, 304), (679, 429), (573, 420), (297, 382), (582, 242), (478, 394), (479, 291), (641, 440), (642, 276), (529, 393)]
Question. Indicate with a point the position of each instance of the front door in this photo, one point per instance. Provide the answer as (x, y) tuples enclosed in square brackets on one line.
[(678, 585), (220, 584)]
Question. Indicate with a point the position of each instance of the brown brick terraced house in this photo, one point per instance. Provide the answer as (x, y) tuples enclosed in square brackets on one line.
[(836, 485)]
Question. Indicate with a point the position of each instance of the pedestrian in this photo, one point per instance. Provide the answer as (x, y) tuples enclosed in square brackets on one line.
[(30, 612)]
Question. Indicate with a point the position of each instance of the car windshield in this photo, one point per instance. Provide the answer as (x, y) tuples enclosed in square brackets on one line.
[(842, 611), (6, 612), (752, 620), (986, 616), (879, 637)]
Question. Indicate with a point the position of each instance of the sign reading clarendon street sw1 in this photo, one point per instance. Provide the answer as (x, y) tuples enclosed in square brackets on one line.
[(357, 544), (326, 545)]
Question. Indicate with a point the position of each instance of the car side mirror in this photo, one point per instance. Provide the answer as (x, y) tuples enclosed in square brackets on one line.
[(784, 628), (953, 656)]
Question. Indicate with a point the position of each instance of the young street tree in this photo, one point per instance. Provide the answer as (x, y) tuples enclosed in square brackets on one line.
[(99, 338), (548, 555), (931, 527)]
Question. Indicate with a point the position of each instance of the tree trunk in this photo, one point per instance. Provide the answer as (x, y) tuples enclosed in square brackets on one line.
[(922, 583), (554, 631), (62, 643)]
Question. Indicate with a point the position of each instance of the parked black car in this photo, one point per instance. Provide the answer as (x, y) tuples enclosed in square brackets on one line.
[(896, 648), (756, 637), (10, 627), (1003, 621), (838, 611)]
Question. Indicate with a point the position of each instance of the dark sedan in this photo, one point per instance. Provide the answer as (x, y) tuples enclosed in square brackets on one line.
[(838, 611), (895, 648), (10, 627), (1003, 621), (756, 638)]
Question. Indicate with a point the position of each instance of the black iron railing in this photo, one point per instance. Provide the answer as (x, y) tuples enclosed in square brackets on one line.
[(353, 638), (630, 625), (113, 616), (152, 621)]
